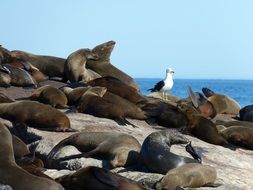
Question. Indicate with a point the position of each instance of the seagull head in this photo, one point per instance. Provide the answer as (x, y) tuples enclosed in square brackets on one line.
[(169, 70)]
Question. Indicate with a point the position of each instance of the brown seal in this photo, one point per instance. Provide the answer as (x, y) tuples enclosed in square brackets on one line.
[(20, 77), (103, 65), (121, 149), (5, 79), (49, 65), (14, 175), (155, 151), (223, 104), (94, 178), (105, 108), (201, 127), (118, 87), (189, 175), (75, 94), (50, 95), (165, 114), (239, 135), (203, 105), (75, 66), (35, 114)]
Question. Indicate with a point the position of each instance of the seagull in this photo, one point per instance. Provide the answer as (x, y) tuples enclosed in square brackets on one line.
[(164, 85)]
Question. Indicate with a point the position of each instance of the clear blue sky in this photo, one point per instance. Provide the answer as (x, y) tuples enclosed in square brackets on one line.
[(210, 39)]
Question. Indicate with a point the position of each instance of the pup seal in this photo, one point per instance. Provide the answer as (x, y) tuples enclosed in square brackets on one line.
[(103, 65), (49, 65), (121, 149), (50, 95), (36, 115), (222, 103), (75, 66), (118, 87), (189, 175), (156, 155), (14, 175), (92, 177)]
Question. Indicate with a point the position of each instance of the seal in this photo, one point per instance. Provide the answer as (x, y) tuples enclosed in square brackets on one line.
[(75, 66), (5, 79), (118, 87), (75, 94), (189, 175), (103, 65), (119, 148), (50, 95), (14, 175), (201, 127), (97, 178), (246, 113), (105, 108), (20, 77), (222, 104), (36, 115), (239, 135), (164, 114), (155, 151), (49, 65), (203, 105)]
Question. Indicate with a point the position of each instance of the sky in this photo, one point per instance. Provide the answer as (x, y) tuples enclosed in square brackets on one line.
[(198, 39)]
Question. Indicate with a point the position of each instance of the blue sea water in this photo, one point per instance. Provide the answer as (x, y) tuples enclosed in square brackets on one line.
[(240, 90)]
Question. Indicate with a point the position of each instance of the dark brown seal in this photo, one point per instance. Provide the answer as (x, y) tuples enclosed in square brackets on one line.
[(189, 175), (103, 65), (118, 87), (14, 175), (239, 135), (49, 65), (75, 66), (202, 127), (246, 113), (35, 114), (155, 151), (94, 178), (106, 108), (165, 114), (120, 149), (50, 95)]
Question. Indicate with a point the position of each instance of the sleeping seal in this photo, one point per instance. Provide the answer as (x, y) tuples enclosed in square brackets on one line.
[(120, 149)]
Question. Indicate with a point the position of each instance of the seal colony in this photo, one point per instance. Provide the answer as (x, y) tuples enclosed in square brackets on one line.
[(88, 83)]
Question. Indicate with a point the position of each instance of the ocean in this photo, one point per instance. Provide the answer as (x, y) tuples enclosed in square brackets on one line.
[(240, 90)]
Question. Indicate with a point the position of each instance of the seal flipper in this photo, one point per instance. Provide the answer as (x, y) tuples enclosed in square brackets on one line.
[(103, 176), (4, 69), (193, 97), (193, 152), (207, 92)]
